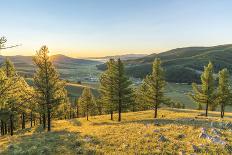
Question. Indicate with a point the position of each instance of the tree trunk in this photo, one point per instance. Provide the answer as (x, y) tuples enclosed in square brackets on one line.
[(40, 119), (156, 108), (44, 121), (31, 119), (2, 128), (34, 121), (49, 120), (77, 111), (119, 110), (23, 120), (111, 115), (87, 114), (5, 128), (206, 109), (11, 125)]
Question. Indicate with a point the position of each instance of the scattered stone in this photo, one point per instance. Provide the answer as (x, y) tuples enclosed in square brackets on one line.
[(156, 124), (180, 136), (162, 139), (203, 129), (217, 140), (147, 135), (204, 135), (156, 131), (196, 148), (182, 153), (87, 139), (216, 132), (10, 146)]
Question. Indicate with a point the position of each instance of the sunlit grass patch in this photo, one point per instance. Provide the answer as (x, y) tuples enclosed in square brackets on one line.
[(138, 133)]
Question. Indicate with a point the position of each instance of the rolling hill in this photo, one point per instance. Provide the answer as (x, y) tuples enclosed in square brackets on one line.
[(68, 67), (182, 65)]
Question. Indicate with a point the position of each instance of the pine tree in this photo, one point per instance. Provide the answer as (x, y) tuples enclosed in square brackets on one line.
[(140, 97), (205, 94), (49, 88), (224, 90), (155, 84), (122, 88), (106, 88), (87, 102)]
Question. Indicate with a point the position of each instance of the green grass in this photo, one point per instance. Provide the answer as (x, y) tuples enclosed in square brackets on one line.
[(136, 134)]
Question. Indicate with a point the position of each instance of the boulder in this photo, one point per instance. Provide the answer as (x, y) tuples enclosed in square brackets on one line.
[(217, 140), (204, 135), (162, 139), (196, 148), (10, 146), (216, 132), (181, 136)]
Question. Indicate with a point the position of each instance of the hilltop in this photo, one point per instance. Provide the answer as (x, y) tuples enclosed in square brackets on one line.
[(176, 131), (182, 64)]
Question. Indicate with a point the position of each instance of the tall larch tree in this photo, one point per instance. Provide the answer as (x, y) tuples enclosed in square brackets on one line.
[(123, 93), (205, 93), (106, 88), (154, 85), (87, 102), (50, 89), (224, 90)]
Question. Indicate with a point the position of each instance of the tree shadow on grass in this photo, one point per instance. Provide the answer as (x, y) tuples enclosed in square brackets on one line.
[(49, 143)]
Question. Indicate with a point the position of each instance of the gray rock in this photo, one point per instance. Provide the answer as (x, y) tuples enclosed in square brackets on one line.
[(217, 140), (162, 139), (196, 148), (203, 129), (204, 135), (156, 131), (10, 146), (216, 132), (87, 139), (181, 136), (182, 153), (156, 124)]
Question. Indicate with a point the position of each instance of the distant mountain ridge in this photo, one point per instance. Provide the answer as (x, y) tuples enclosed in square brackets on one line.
[(122, 57), (58, 58), (182, 64), (68, 67)]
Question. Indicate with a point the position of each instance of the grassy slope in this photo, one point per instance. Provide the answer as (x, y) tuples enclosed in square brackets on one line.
[(135, 134)]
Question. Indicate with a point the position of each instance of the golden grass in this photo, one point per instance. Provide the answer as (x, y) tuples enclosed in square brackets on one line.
[(136, 134)]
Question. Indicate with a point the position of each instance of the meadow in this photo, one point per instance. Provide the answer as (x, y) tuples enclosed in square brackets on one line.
[(176, 131)]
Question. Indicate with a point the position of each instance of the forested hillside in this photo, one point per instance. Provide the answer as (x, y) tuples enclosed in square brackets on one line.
[(182, 64)]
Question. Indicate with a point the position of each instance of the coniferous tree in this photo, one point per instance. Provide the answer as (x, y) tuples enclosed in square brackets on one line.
[(224, 90), (106, 88), (122, 88), (87, 102), (154, 85), (50, 89), (205, 94), (140, 98)]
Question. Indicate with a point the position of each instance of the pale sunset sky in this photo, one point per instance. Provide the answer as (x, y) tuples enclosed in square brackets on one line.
[(90, 28)]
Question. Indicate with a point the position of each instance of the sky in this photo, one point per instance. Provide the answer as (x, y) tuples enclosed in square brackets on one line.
[(92, 28)]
